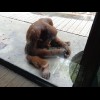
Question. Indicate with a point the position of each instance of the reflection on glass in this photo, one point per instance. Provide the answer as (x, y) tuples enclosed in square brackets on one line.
[(74, 66)]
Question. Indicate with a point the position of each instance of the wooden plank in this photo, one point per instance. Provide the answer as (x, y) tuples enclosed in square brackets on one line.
[(80, 27), (74, 26), (86, 28), (25, 16), (6, 79), (53, 18), (31, 19), (29, 84), (18, 15), (88, 32), (59, 22), (14, 14), (64, 23), (21, 17), (3, 71), (7, 14), (69, 25), (35, 19), (16, 82), (56, 20)]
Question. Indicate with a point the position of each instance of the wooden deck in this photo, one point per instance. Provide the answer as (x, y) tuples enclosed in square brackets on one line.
[(73, 26), (9, 78)]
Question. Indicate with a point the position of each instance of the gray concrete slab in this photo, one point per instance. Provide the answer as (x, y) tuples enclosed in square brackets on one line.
[(12, 43)]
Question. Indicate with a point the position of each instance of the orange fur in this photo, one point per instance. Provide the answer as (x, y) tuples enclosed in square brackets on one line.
[(40, 36)]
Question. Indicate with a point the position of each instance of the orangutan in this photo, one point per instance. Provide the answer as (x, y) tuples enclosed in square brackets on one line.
[(40, 36)]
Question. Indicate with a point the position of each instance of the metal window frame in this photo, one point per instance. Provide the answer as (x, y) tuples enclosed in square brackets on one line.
[(90, 61)]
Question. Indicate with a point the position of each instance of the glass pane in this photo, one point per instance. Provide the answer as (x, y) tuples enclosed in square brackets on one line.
[(71, 26)]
